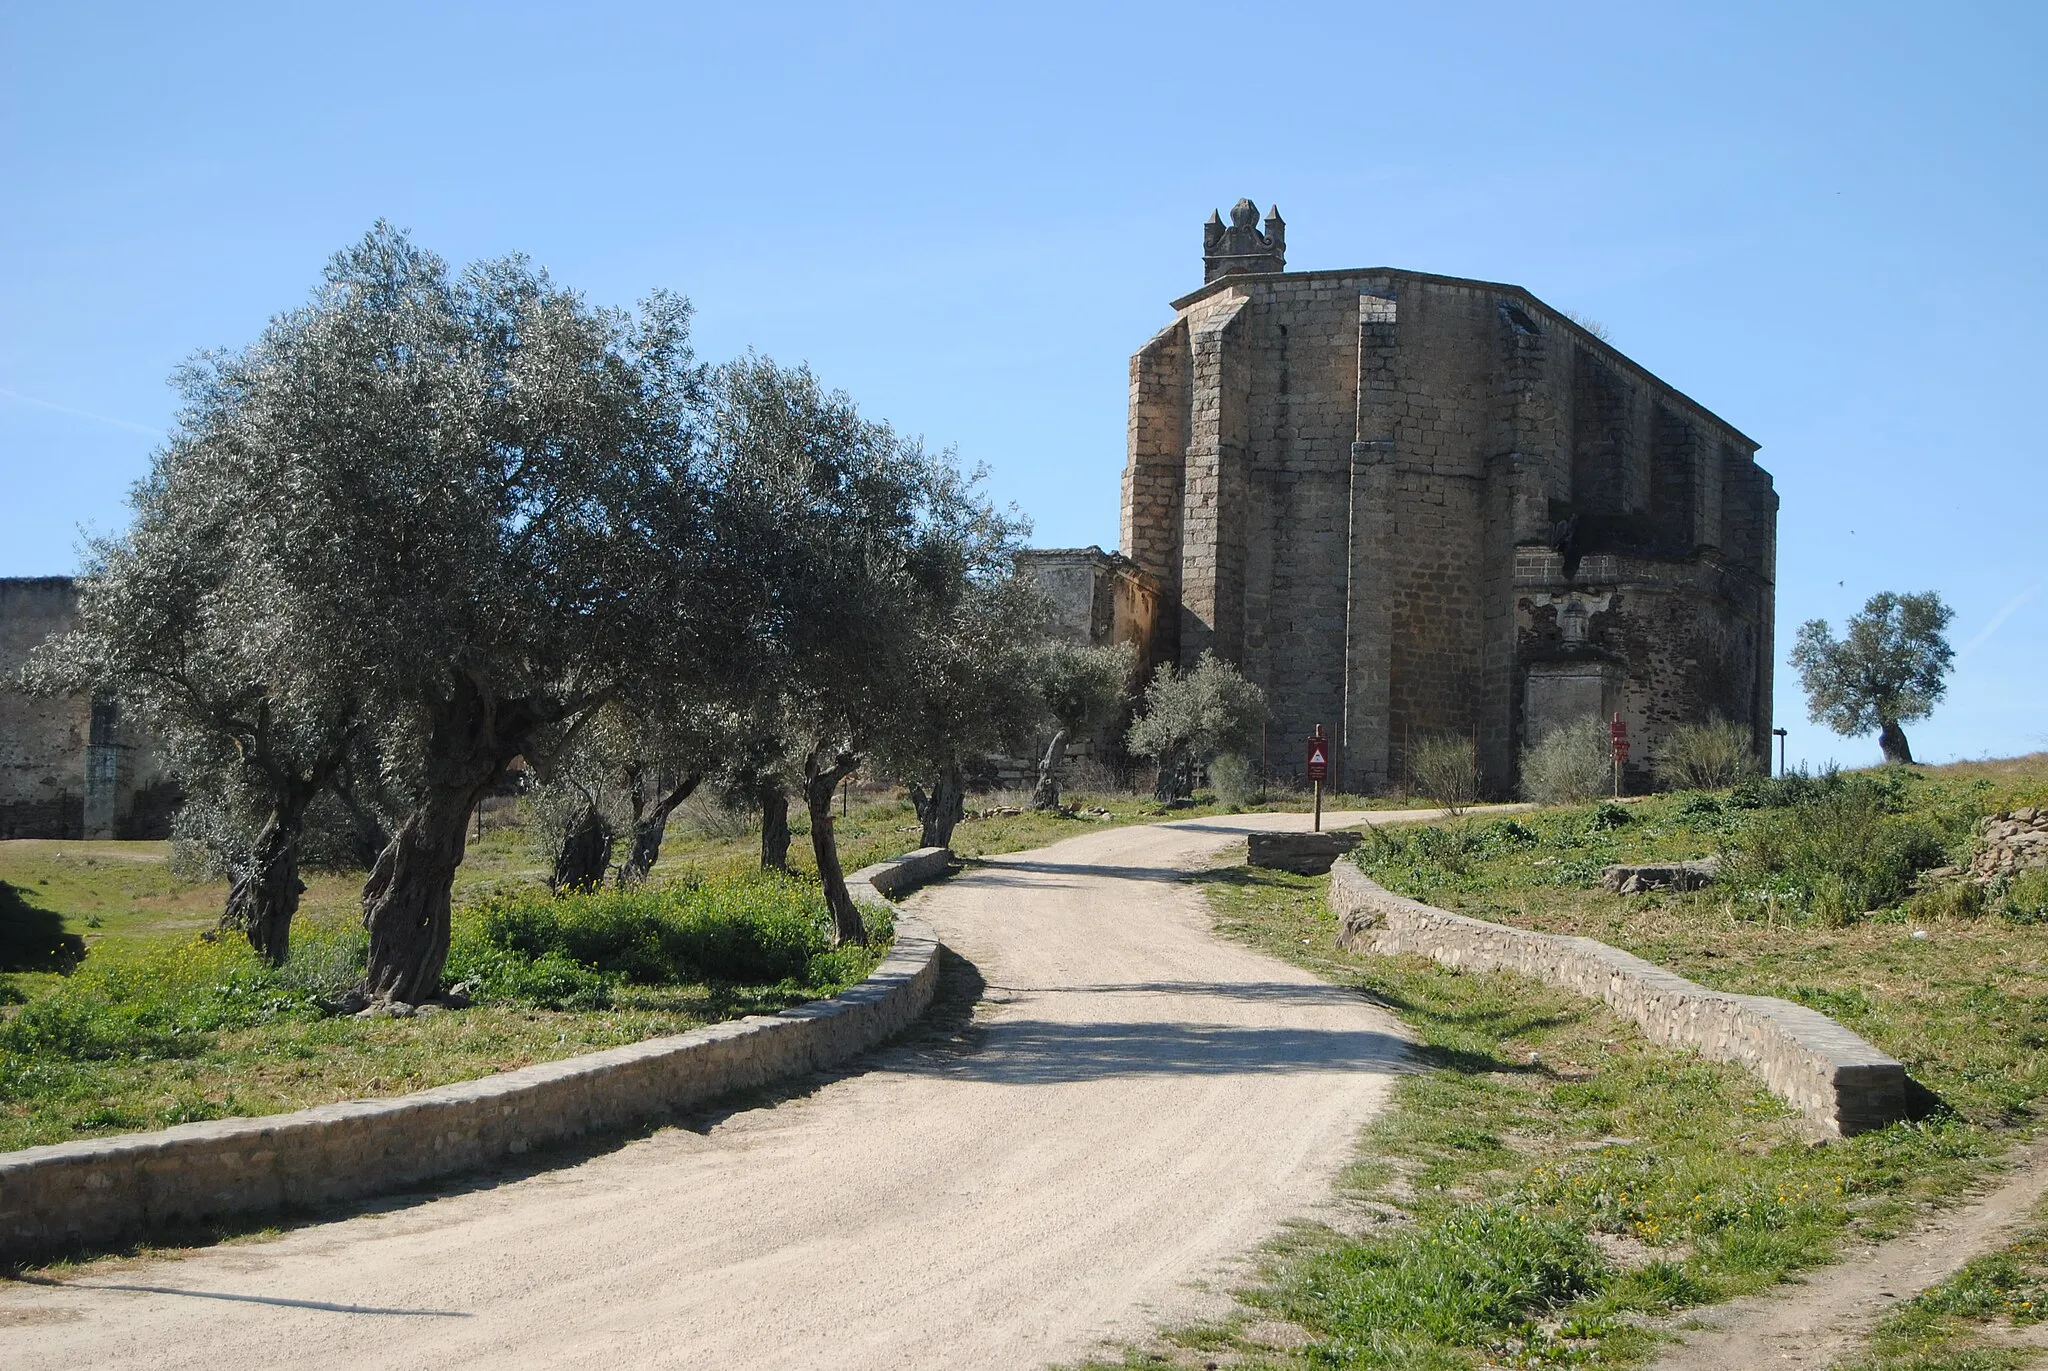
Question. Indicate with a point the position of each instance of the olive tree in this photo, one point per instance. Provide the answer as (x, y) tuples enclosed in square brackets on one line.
[(861, 542), (466, 508), (1083, 689), (1191, 717), (197, 622), (1889, 668), (971, 697), (624, 776)]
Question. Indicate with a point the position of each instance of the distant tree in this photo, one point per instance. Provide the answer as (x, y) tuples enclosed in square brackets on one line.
[(1192, 716), (624, 776), (1083, 689), (1889, 668)]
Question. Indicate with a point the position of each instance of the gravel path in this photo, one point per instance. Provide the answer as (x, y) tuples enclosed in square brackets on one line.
[(1136, 1105)]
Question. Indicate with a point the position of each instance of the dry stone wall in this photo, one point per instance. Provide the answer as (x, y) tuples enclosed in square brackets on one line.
[(1839, 1082), (2010, 842)]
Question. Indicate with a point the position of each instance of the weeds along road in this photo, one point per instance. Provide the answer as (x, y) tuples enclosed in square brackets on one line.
[(1136, 1105)]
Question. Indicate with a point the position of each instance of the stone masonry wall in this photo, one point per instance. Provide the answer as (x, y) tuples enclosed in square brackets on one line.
[(1839, 1082), (1392, 485), (69, 767)]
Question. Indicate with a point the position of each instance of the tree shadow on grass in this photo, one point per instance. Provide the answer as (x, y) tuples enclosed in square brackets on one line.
[(33, 938)]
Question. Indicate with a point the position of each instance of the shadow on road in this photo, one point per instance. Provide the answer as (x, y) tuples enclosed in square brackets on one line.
[(997, 871), (325, 1306), (1036, 1052), (1248, 992)]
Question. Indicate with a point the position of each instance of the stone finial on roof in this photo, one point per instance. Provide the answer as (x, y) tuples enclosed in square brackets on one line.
[(1241, 247)]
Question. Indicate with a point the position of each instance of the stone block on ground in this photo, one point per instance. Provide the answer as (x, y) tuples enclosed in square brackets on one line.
[(1305, 854), (1627, 880)]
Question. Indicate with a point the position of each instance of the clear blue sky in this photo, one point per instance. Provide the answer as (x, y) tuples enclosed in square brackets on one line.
[(1822, 221)]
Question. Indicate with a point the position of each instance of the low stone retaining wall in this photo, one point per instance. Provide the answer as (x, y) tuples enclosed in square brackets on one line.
[(899, 874), (85, 1194), (1841, 1083)]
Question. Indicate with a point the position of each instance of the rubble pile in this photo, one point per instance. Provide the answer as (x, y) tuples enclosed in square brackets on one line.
[(2009, 842)]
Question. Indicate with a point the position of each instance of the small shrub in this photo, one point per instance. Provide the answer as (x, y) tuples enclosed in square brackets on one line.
[(1608, 817), (1569, 765), (1445, 768), (1840, 849), (1235, 781), (2023, 898), (760, 928), (1782, 792), (549, 981), (1697, 806), (1709, 756)]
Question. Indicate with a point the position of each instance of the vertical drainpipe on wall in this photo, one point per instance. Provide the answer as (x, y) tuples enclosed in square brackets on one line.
[(102, 770)]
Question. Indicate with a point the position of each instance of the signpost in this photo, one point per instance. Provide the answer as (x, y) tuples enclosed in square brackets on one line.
[(1779, 734), (1617, 734), (1318, 770)]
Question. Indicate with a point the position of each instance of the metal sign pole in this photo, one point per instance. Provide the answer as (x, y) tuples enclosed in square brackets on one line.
[(1318, 771)]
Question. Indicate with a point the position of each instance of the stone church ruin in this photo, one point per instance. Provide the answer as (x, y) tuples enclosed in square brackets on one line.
[(1409, 504)]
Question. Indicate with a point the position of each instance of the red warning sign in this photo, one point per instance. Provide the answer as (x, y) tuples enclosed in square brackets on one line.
[(1617, 736), (1319, 757)]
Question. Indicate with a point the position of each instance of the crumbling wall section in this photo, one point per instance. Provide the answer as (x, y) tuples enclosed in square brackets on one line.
[(70, 766)]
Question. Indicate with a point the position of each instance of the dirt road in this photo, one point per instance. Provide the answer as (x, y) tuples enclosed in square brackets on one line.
[(1138, 1104)]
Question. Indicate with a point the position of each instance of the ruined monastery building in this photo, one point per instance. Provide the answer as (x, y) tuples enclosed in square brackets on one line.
[(1408, 504)]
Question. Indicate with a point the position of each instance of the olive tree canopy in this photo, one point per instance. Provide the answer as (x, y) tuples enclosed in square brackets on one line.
[(862, 546), (1890, 667), (1191, 717), (464, 510)]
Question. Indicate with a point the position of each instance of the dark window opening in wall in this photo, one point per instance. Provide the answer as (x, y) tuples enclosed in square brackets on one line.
[(1517, 320)]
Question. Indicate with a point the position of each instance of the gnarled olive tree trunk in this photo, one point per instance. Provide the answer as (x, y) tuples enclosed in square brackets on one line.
[(940, 811), (1892, 740), (1046, 794), (821, 781), (774, 804), (586, 852), (406, 899), (1172, 771), (263, 899), (650, 826)]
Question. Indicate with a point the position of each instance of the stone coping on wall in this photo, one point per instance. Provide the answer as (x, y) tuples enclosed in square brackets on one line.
[(1841, 1083), (70, 1196)]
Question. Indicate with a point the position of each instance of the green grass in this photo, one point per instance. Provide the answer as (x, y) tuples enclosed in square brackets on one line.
[(180, 1030), (1555, 1190)]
